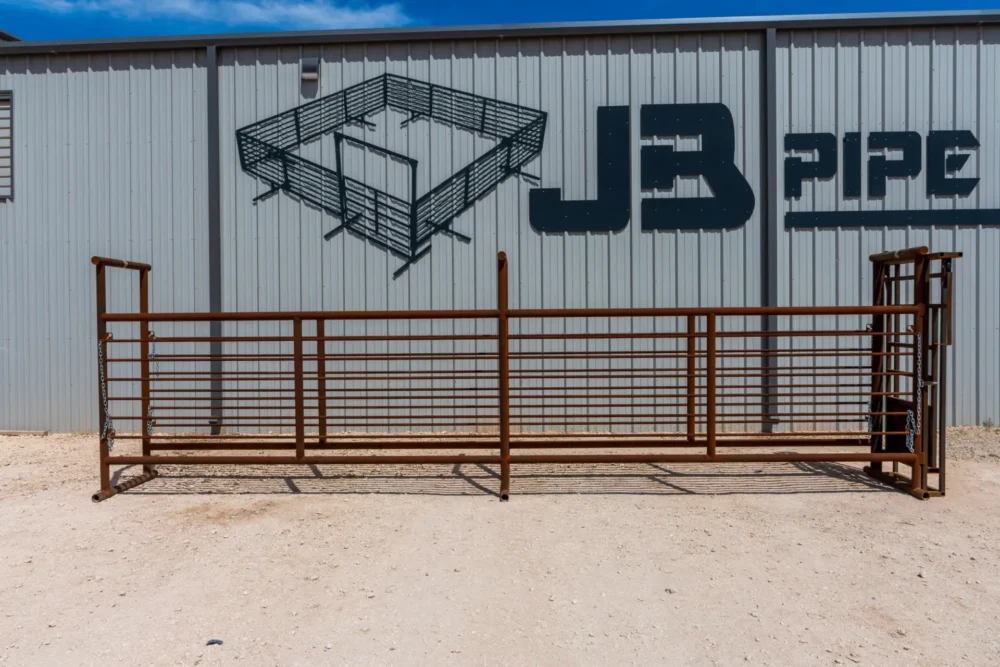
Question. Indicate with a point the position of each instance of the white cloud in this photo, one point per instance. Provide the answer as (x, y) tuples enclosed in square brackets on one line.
[(307, 14)]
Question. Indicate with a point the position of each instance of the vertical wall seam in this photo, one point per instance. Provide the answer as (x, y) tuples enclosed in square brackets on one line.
[(770, 204), (214, 230)]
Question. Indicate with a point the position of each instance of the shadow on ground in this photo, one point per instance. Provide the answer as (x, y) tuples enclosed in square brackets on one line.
[(475, 479)]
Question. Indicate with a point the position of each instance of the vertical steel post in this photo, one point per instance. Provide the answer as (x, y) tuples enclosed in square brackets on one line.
[(710, 381), (321, 378), (144, 367), (894, 297), (878, 345), (932, 373), (692, 379), (503, 363), (102, 367), (300, 416), (921, 288), (946, 323)]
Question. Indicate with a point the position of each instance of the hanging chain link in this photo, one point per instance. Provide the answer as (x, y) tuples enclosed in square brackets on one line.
[(871, 420), (910, 430), (108, 429), (913, 421), (920, 378)]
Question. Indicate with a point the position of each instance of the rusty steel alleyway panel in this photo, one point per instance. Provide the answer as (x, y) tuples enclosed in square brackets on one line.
[(659, 385)]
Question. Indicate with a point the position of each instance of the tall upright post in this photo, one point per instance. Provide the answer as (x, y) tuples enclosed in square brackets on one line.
[(921, 295), (710, 381), (321, 378), (692, 379), (300, 412), (946, 323), (147, 426), (503, 364), (878, 342), (102, 348)]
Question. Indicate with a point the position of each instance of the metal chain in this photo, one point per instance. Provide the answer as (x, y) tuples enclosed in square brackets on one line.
[(871, 420), (108, 430), (910, 424), (920, 378)]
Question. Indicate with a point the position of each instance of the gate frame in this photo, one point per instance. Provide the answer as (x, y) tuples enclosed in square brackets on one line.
[(932, 327)]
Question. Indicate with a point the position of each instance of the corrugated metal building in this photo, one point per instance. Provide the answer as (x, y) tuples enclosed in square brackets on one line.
[(809, 127)]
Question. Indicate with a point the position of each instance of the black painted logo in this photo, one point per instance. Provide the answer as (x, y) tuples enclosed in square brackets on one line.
[(942, 178), (403, 224), (730, 207)]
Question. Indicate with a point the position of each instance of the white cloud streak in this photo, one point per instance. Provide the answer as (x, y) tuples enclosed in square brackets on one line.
[(302, 14)]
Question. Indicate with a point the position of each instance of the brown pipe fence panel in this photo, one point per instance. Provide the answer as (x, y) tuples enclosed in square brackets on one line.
[(507, 386)]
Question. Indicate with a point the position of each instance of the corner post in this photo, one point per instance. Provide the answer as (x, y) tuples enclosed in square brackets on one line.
[(921, 293), (877, 344), (144, 337), (942, 407), (102, 347), (503, 363)]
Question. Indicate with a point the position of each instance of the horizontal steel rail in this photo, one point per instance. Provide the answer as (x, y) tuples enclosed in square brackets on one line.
[(632, 382)]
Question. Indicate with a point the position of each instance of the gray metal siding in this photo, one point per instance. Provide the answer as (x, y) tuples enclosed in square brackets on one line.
[(918, 79), (274, 255), (110, 160)]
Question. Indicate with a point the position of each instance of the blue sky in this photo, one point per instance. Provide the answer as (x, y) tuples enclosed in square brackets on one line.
[(82, 19)]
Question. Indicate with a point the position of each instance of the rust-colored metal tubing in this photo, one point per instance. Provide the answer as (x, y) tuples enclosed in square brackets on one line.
[(877, 341), (563, 313), (321, 383), (144, 335), (102, 388), (514, 444), (515, 458), (278, 316), (899, 256), (101, 262), (920, 297), (800, 457), (300, 411), (692, 375), (899, 482), (685, 387), (710, 418), (777, 439), (292, 460), (946, 324), (121, 487)]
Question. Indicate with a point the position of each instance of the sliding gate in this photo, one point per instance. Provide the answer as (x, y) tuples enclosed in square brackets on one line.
[(504, 386)]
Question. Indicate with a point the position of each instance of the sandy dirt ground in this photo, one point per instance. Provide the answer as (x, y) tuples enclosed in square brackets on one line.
[(631, 564)]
